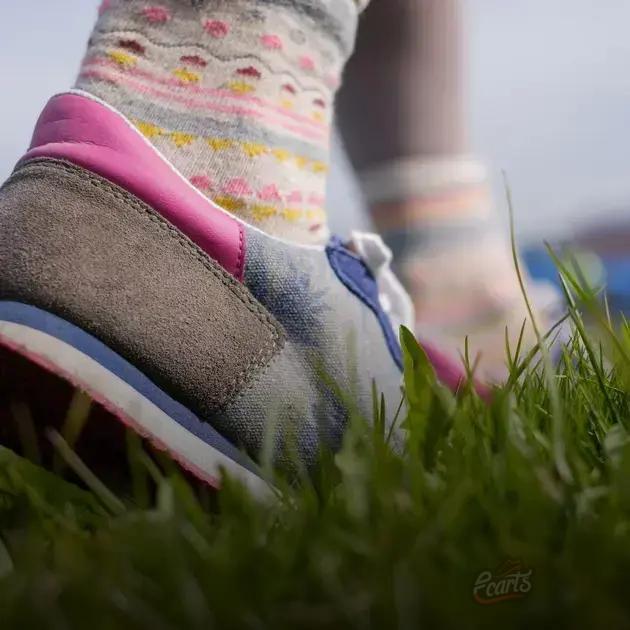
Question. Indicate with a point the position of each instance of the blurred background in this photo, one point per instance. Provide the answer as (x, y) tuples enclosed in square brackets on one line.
[(549, 104)]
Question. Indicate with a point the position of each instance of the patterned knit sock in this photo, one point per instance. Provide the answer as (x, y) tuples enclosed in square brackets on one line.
[(237, 94), (455, 258)]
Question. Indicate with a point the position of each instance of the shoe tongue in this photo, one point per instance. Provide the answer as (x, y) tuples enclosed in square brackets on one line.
[(372, 250), (394, 300)]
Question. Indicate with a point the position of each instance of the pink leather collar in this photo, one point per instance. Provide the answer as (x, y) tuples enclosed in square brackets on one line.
[(84, 132)]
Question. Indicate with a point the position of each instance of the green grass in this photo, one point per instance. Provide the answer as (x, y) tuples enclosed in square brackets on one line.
[(376, 538)]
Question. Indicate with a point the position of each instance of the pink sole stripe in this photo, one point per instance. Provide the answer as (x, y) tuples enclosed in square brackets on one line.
[(216, 92), (120, 415), (106, 75), (451, 374)]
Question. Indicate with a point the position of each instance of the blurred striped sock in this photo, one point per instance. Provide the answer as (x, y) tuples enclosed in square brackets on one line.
[(453, 256)]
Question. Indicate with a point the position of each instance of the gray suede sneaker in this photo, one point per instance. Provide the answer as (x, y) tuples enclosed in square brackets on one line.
[(196, 330)]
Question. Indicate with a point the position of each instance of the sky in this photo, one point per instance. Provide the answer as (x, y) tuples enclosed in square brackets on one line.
[(549, 100)]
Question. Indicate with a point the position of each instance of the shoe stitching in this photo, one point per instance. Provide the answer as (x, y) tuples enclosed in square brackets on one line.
[(278, 337)]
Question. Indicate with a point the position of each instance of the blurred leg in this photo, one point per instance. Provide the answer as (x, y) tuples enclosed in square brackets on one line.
[(403, 115), (405, 83)]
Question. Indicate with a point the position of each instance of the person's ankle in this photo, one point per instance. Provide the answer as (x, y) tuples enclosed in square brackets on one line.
[(239, 97)]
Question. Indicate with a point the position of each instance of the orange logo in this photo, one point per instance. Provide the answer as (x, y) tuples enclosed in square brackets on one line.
[(510, 580)]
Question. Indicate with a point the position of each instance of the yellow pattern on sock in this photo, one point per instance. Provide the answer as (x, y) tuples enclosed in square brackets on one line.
[(121, 58), (254, 149), (262, 212), (292, 214), (251, 149), (220, 144), (186, 76), (240, 87), (182, 139), (282, 155), (231, 204), (149, 130)]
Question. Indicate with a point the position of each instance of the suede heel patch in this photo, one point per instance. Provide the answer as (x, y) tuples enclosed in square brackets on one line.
[(88, 251)]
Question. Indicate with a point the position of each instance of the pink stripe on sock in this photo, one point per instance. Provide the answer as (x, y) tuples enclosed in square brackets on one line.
[(157, 15), (104, 6), (307, 63), (295, 196), (270, 193), (272, 42), (439, 208), (203, 182), (238, 187), (216, 28), (317, 200), (198, 90), (234, 110)]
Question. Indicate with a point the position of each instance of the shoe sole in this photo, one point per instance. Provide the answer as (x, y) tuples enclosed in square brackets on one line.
[(63, 349)]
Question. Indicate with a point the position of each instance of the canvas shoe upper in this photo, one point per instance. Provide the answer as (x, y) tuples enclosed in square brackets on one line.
[(196, 329)]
